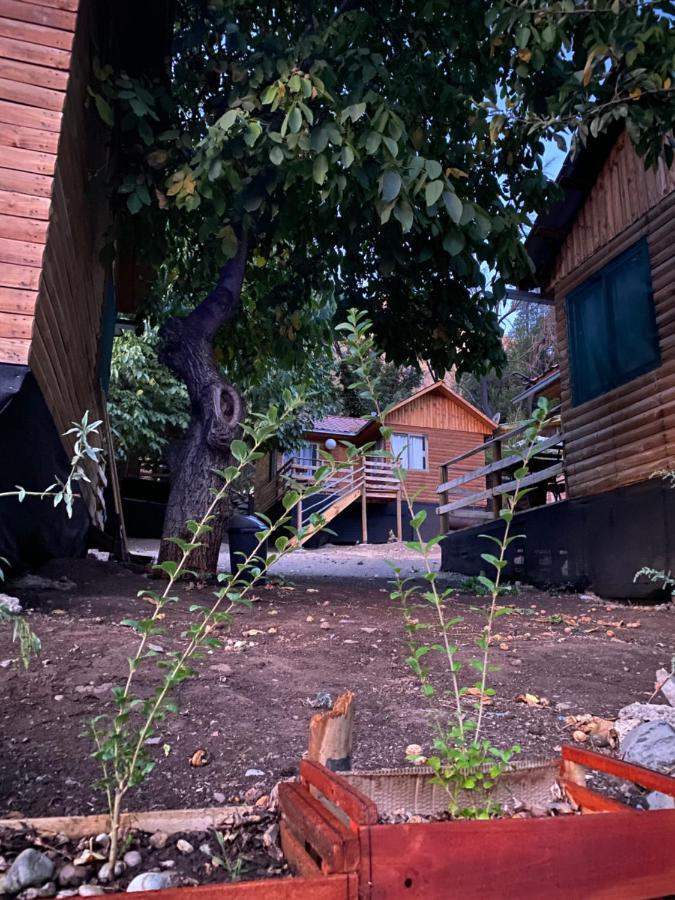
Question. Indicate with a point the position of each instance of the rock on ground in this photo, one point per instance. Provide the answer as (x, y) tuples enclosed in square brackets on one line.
[(631, 716), (651, 744), (149, 881), (30, 868)]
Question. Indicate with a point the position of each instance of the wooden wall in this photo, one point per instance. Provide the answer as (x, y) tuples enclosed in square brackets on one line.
[(52, 207), (35, 48), (626, 434)]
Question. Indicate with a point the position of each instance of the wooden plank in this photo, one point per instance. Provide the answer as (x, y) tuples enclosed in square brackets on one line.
[(24, 277), (646, 778), (35, 34), (360, 809), (616, 856), (37, 54), (590, 801), (31, 95), (502, 436), (296, 855), (311, 822), (12, 135), (38, 15), (30, 117), (28, 161), (497, 466), (14, 300), (13, 204), (20, 253), (534, 478), (21, 229), (25, 182), (71, 5), (13, 70), (14, 325), (328, 887), (14, 351)]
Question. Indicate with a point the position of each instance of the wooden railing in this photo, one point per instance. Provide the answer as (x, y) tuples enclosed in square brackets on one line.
[(459, 502)]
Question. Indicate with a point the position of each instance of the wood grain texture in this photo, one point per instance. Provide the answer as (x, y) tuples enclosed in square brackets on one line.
[(14, 351), (19, 136), (28, 73), (16, 300), (35, 14), (15, 325), (327, 887), (24, 206), (31, 95), (21, 229), (30, 117), (38, 54), (624, 435), (312, 823), (614, 856), (35, 34)]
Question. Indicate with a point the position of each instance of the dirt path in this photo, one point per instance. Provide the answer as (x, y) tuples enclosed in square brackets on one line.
[(251, 706)]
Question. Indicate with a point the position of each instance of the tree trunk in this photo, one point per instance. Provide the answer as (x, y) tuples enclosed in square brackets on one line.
[(217, 411)]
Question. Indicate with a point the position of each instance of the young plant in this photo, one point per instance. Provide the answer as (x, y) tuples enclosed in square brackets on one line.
[(61, 492), (121, 739), (660, 576), (464, 759)]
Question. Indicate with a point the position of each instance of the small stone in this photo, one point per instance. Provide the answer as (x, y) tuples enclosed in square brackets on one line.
[(325, 626), (30, 868), (206, 849), (221, 668), (105, 873), (102, 840), (68, 892), (650, 744), (158, 840), (155, 648), (657, 800), (218, 797), (31, 893), (538, 812), (72, 876), (90, 890), (47, 890), (168, 864), (5, 663), (149, 881), (263, 801), (252, 794), (253, 773), (58, 697), (184, 846), (132, 858)]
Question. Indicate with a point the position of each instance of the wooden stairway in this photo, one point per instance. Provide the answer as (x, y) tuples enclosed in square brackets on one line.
[(329, 509)]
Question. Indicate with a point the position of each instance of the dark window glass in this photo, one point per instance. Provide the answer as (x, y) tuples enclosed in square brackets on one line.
[(612, 326)]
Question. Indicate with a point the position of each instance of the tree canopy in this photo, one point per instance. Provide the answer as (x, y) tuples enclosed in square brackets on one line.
[(385, 157)]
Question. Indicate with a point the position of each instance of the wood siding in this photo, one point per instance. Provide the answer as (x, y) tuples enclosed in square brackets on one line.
[(35, 55), (52, 209), (624, 435)]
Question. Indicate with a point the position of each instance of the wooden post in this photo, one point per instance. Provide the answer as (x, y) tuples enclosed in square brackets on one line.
[(495, 479), (399, 516), (330, 735), (364, 514), (443, 518)]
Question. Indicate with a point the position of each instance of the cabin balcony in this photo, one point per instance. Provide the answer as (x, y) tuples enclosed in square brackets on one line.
[(472, 495)]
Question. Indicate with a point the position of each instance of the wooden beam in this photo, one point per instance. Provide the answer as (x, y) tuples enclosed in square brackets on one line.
[(330, 735), (399, 517), (38, 15), (364, 515), (534, 478), (37, 54), (35, 34)]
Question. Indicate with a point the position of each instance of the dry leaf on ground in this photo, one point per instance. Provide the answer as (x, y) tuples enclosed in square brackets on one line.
[(531, 700)]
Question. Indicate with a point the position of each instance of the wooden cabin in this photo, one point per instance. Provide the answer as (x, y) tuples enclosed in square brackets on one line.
[(431, 424), (604, 256), (57, 296)]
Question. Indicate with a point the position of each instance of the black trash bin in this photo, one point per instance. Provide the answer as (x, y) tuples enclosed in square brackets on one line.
[(243, 542)]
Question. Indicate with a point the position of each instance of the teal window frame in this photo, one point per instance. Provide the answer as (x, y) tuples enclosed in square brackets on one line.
[(611, 326)]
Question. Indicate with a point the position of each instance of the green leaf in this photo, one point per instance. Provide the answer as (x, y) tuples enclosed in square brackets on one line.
[(239, 450), (229, 242), (276, 155), (453, 205), (391, 185), (433, 168), (319, 139), (373, 142), (320, 169), (454, 243), (403, 212), (433, 191), (295, 120), (104, 110), (347, 156)]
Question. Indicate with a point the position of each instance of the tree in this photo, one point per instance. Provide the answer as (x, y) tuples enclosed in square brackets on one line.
[(394, 383), (389, 158)]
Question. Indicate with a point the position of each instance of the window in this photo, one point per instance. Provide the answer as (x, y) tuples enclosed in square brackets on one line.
[(612, 326), (411, 450)]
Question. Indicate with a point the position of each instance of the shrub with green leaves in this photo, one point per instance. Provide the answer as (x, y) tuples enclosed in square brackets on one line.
[(464, 759)]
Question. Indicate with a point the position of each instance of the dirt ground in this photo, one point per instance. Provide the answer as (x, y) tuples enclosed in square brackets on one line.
[(251, 706)]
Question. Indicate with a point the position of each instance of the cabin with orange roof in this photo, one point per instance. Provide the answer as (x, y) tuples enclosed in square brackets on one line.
[(366, 505)]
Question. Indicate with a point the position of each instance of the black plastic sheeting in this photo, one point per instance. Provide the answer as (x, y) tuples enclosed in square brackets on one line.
[(596, 542), (31, 454)]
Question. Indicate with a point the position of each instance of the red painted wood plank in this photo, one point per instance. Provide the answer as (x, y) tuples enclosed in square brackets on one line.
[(28, 160), (18, 228), (28, 138), (15, 300), (297, 857), (35, 34), (34, 53), (70, 5), (25, 183), (590, 801), (646, 778), (14, 325), (20, 253), (360, 809), (15, 352), (616, 855), (310, 821), (29, 73), (14, 204), (38, 15), (328, 887), (30, 117), (30, 95), (24, 277)]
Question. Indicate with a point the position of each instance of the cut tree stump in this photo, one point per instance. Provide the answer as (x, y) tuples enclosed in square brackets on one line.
[(330, 735)]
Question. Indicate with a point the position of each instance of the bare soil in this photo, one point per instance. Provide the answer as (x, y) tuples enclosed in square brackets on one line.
[(251, 706)]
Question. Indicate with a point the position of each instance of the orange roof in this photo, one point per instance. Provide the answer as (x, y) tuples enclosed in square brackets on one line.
[(444, 389)]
